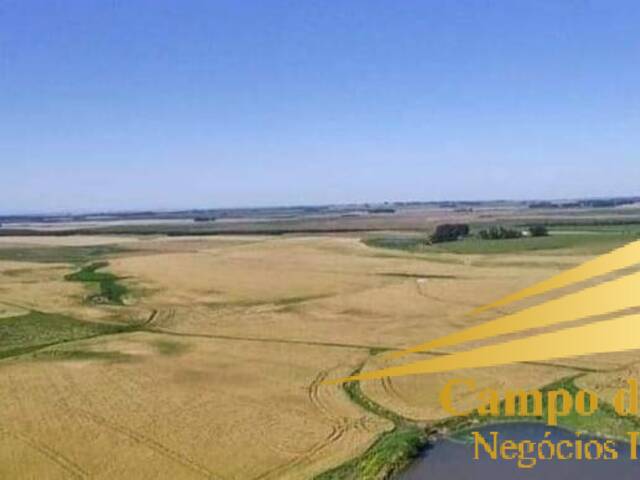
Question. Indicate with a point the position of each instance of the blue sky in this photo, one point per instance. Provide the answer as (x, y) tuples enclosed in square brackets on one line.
[(155, 104)]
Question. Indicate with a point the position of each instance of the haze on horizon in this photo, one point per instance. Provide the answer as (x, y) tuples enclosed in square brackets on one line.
[(169, 105)]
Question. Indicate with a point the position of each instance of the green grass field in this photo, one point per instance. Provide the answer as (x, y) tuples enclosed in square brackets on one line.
[(26, 333), (576, 240)]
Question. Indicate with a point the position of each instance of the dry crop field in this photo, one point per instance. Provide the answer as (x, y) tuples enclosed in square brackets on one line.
[(203, 357)]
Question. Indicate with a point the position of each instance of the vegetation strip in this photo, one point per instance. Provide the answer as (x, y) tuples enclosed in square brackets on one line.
[(110, 290)]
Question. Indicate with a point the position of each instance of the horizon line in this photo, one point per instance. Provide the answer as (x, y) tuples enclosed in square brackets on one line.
[(306, 205)]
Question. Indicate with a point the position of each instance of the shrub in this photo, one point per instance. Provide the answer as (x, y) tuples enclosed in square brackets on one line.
[(449, 232), (538, 231), (499, 233)]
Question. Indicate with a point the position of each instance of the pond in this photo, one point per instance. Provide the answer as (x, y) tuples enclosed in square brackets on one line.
[(450, 459)]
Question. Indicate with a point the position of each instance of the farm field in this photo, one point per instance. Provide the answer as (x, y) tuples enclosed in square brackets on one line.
[(203, 357)]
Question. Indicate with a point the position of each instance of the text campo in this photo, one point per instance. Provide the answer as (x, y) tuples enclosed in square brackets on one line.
[(463, 397)]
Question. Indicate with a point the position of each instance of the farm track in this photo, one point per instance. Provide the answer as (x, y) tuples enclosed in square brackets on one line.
[(344, 345), (266, 340), (69, 466), (340, 427), (130, 433), (150, 443)]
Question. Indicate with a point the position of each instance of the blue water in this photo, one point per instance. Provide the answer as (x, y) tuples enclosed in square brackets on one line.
[(453, 460)]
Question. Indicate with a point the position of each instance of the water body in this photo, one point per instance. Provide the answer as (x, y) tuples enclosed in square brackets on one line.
[(453, 459)]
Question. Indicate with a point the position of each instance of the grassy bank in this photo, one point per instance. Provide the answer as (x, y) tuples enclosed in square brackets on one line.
[(390, 454)]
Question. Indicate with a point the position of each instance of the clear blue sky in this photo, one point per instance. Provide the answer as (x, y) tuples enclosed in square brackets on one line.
[(155, 104)]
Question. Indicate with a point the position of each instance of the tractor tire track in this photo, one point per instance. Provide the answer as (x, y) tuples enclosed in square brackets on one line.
[(69, 466), (390, 389), (340, 426), (131, 434), (150, 443)]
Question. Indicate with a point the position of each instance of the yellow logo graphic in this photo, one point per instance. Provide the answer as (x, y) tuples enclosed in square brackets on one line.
[(614, 298)]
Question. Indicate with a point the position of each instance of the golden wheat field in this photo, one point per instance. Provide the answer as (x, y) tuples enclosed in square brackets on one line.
[(211, 365)]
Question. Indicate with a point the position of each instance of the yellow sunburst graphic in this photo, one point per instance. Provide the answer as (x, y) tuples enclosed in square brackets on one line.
[(609, 298)]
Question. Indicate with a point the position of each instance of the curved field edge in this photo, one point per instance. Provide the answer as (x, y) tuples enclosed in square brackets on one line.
[(395, 450)]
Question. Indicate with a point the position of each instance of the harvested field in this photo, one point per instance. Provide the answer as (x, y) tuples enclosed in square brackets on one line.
[(215, 409), (212, 367)]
